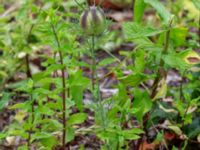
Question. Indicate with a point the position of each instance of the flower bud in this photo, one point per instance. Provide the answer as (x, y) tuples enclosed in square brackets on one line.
[(93, 21)]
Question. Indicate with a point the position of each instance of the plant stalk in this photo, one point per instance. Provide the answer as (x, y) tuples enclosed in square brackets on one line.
[(161, 73), (93, 66), (64, 86), (29, 75), (32, 121)]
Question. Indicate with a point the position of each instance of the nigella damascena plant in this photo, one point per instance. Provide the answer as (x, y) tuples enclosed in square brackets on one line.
[(93, 21)]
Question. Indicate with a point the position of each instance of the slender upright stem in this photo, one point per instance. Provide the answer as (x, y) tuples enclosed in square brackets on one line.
[(29, 75), (161, 72), (199, 28), (63, 84), (93, 64), (32, 121), (181, 95)]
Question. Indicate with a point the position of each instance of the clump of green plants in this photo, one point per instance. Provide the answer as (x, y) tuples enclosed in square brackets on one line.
[(53, 76)]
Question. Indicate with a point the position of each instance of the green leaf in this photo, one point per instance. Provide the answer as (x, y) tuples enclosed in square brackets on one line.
[(174, 60), (45, 110), (130, 136), (133, 79), (78, 84), (77, 118), (77, 95), (139, 61), (139, 7), (24, 105), (134, 131), (161, 10), (40, 135), (122, 96), (2, 135), (106, 61), (70, 134), (174, 148), (196, 4), (133, 30), (178, 36), (49, 142), (24, 147), (141, 104), (4, 100)]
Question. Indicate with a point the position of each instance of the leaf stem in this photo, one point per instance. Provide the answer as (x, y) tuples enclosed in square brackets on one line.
[(63, 85)]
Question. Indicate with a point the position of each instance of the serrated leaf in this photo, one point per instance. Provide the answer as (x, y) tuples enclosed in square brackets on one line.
[(141, 104), (178, 35), (70, 134), (20, 106), (161, 10), (45, 110), (4, 100), (20, 115), (77, 118), (174, 60), (106, 61), (133, 30), (133, 80), (78, 84), (139, 61)]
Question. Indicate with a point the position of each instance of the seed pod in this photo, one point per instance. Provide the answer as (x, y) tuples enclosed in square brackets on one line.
[(93, 21)]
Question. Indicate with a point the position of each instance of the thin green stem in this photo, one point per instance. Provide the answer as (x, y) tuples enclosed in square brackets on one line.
[(32, 121), (29, 75), (181, 95), (63, 85), (93, 65)]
